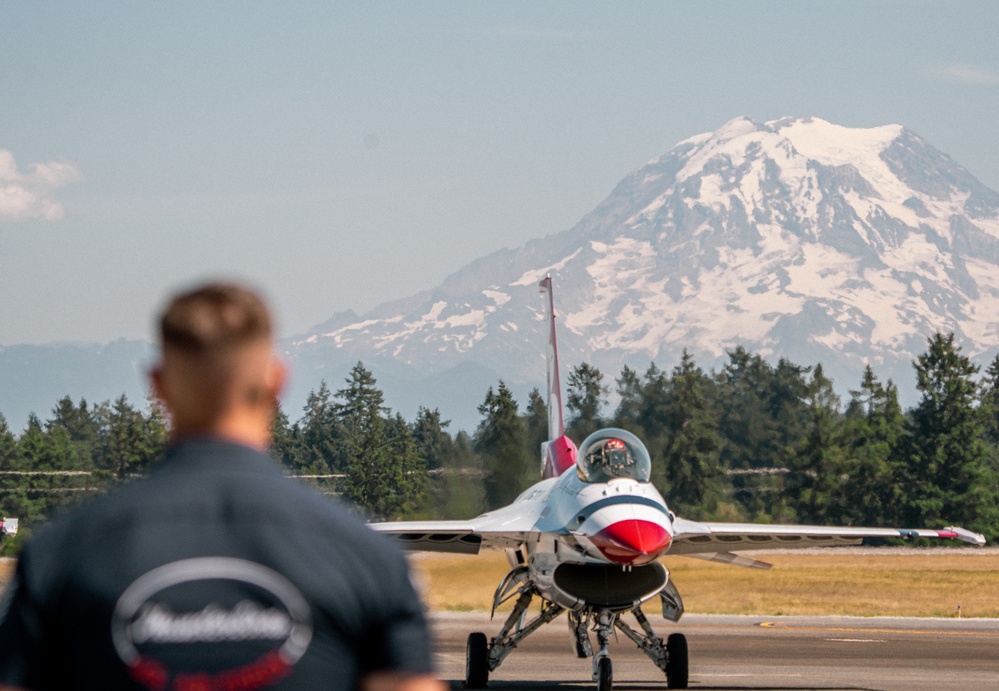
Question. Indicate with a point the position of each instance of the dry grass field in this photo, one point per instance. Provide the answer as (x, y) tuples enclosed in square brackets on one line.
[(858, 582)]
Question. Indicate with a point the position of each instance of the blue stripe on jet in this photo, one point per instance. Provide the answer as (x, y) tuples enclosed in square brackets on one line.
[(621, 499)]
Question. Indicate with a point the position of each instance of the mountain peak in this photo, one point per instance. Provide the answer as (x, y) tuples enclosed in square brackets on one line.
[(795, 238), (834, 145), (791, 143)]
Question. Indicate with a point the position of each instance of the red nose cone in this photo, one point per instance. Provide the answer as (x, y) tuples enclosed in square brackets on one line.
[(632, 541)]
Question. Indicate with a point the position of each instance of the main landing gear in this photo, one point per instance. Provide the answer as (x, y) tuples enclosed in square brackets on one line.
[(483, 657)]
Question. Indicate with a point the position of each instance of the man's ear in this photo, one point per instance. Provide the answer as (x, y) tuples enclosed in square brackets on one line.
[(156, 382), (276, 376)]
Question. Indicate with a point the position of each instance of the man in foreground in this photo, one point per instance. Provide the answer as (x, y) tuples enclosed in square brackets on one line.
[(214, 572)]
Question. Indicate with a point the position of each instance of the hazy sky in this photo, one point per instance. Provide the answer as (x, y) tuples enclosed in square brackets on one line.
[(343, 154)]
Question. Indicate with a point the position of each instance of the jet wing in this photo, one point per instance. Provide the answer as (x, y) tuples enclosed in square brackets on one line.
[(433, 536), (506, 527), (464, 537), (692, 537)]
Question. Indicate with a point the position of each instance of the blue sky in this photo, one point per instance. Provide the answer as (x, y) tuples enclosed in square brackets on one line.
[(342, 154)]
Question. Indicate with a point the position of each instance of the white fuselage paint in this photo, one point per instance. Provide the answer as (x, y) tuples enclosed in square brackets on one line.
[(569, 514)]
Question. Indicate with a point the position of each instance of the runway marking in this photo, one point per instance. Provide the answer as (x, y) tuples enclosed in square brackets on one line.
[(909, 632)]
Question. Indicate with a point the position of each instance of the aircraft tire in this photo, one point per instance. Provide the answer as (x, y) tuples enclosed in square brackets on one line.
[(677, 669), (605, 675), (476, 661)]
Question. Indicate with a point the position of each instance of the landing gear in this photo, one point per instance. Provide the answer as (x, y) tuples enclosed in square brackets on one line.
[(578, 625), (605, 675), (677, 670), (670, 657), (482, 656), (476, 661), (601, 661)]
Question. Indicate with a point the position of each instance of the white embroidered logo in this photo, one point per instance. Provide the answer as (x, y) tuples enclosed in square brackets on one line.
[(270, 609)]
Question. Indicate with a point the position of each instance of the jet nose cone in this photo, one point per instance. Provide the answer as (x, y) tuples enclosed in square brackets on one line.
[(633, 541)]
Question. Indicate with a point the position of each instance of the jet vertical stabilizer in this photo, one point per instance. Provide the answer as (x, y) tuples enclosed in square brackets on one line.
[(559, 453)]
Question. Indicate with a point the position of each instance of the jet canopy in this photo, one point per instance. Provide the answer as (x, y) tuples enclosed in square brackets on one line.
[(612, 453)]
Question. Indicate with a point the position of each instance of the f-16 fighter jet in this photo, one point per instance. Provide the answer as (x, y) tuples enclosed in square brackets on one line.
[(587, 540)]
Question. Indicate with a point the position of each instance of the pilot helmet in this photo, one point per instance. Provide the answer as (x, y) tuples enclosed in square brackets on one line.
[(614, 455)]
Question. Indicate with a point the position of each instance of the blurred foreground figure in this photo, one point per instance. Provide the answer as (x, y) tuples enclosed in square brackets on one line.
[(214, 573)]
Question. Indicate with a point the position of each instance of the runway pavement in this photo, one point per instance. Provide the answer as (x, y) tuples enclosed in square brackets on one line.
[(741, 652)]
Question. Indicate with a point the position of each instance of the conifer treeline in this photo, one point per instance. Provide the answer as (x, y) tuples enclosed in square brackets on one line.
[(753, 441)]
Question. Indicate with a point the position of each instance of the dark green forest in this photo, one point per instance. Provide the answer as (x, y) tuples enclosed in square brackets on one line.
[(751, 442)]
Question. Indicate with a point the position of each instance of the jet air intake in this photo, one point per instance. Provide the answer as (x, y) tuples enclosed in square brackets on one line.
[(607, 586)]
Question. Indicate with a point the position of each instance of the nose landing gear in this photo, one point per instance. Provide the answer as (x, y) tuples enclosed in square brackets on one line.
[(603, 672)]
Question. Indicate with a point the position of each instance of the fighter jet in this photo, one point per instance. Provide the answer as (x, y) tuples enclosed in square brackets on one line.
[(587, 540)]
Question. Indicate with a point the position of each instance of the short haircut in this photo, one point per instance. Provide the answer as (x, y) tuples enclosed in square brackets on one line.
[(214, 318)]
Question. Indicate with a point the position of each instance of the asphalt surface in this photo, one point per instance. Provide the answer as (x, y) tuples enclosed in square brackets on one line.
[(737, 652)]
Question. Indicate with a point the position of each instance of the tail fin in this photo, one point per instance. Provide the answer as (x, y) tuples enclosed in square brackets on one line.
[(556, 425), (559, 453)]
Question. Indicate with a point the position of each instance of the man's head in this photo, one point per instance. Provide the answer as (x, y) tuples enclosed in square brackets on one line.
[(218, 375)]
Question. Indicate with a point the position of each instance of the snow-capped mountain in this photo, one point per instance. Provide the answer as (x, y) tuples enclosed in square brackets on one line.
[(795, 238)]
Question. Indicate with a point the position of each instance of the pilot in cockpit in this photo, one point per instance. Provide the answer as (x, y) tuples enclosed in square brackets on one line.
[(612, 453), (614, 458)]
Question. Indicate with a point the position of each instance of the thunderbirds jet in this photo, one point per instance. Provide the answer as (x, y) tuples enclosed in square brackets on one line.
[(587, 538)]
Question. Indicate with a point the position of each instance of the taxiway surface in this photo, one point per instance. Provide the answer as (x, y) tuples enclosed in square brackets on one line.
[(739, 652)]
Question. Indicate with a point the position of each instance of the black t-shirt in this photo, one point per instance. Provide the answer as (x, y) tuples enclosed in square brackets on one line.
[(214, 573)]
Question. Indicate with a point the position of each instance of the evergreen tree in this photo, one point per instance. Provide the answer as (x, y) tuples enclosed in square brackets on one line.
[(949, 478), (384, 475), (41, 456), (360, 412), (791, 399), (653, 414), (763, 421), (990, 411), (130, 440), (408, 467), (433, 444), (11, 496), (321, 450), (990, 403), (693, 473), (629, 407), (81, 425), (747, 423), (462, 490), (748, 430), (818, 491), (8, 446), (535, 426), (500, 440), (874, 427), (286, 441), (586, 396)]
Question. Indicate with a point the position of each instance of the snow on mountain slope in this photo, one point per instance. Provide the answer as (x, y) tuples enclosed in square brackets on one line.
[(795, 238)]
